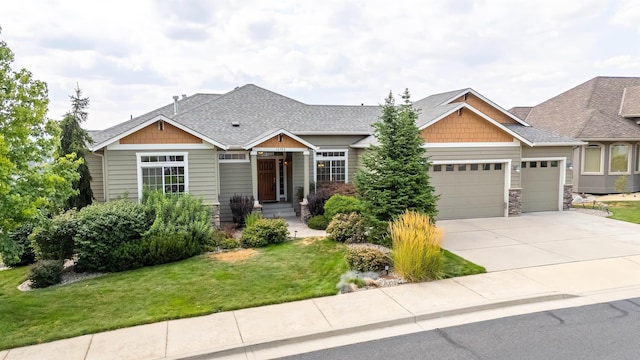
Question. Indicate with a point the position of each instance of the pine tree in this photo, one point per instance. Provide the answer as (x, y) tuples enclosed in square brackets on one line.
[(394, 177), (74, 139)]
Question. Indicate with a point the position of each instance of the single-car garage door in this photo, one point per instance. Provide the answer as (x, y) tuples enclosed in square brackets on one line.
[(469, 190), (540, 185)]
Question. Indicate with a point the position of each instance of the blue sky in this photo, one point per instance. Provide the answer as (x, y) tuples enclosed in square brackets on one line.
[(130, 57)]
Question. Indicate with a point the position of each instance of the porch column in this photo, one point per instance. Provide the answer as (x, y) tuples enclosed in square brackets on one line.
[(306, 175), (254, 177)]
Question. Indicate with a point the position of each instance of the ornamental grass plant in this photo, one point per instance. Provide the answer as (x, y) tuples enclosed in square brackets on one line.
[(416, 247)]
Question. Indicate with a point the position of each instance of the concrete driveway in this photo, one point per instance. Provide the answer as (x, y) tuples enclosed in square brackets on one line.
[(543, 238)]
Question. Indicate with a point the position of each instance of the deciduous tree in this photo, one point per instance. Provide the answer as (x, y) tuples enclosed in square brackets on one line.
[(30, 177)]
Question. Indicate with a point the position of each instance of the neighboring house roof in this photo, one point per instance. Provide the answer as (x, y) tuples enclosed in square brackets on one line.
[(592, 110), (521, 111), (236, 119)]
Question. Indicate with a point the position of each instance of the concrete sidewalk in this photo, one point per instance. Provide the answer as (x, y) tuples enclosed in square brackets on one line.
[(290, 328)]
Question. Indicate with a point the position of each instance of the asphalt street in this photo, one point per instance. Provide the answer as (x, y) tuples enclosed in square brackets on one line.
[(601, 331)]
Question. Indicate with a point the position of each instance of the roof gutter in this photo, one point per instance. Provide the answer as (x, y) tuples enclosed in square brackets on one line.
[(566, 143)]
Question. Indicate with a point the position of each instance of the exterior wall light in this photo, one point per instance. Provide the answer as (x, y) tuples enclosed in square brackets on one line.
[(516, 168)]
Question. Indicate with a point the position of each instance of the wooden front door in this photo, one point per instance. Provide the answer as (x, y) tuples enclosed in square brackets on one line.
[(267, 180)]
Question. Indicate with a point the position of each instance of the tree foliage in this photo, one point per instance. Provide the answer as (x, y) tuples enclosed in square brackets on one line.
[(30, 179), (74, 140), (394, 177)]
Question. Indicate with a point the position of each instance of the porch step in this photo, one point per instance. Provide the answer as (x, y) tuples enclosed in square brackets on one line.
[(279, 209)]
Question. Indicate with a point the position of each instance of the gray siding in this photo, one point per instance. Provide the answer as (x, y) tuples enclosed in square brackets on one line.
[(235, 178), (479, 153), (605, 184), (94, 163), (551, 151), (123, 173)]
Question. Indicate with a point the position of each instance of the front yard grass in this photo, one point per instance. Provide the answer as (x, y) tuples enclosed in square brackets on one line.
[(625, 210), (201, 285)]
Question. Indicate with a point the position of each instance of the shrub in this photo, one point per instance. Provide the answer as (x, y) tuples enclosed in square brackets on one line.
[(45, 273), (316, 201), (416, 247), (377, 231), (318, 222), (347, 228), (265, 232), (220, 239), (364, 258), (341, 204), (104, 227), (251, 219), (334, 187), (23, 253), (184, 214), (241, 206), (165, 248), (128, 256), (53, 239)]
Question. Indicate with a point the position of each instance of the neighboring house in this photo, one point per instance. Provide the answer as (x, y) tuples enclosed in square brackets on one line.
[(252, 141), (604, 112)]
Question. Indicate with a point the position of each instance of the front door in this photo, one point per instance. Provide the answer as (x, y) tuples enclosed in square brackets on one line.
[(267, 180)]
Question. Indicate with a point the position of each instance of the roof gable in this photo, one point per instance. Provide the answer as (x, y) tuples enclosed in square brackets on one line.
[(279, 139), (464, 126)]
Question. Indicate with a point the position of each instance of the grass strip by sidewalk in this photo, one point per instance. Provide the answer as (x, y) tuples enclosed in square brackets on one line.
[(286, 272)]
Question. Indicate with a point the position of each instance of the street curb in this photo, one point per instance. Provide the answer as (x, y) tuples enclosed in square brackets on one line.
[(261, 345)]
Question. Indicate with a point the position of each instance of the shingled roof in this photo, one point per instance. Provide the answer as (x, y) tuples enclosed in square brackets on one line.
[(239, 117), (592, 110)]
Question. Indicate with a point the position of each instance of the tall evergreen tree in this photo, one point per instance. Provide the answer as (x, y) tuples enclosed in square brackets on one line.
[(394, 176), (74, 140)]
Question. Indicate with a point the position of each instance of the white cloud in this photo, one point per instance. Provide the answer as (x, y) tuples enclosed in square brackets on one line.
[(131, 57)]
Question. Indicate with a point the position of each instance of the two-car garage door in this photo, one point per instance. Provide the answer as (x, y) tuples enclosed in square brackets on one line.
[(469, 190)]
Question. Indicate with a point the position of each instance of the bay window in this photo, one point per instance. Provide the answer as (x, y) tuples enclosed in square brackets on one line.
[(619, 156), (592, 159)]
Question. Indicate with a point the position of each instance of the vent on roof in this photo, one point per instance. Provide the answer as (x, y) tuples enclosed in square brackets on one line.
[(184, 96), (235, 124), (175, 104)]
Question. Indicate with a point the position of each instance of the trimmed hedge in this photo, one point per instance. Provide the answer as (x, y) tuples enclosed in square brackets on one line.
[(265, 232), (364, 258), (53, 239), (341, 204), (318, 222), (102, 228), (347, 228)]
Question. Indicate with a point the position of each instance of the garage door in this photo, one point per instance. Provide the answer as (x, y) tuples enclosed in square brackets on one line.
[(469, 190), (540, 185)]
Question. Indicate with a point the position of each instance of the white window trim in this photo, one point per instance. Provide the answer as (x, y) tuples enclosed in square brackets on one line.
[(629, 157), (345, 158), (227, 161), (582, 160), (140, 165)]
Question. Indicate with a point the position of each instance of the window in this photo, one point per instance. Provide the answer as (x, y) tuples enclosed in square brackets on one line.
[(162, 172), (437, 167), (462, 167), (543, 164), (473, 167), (449, 167), (523, 164), (592, 158), (533, 164), (486, 167), (554, 164), (233, 157), (637, 157), (497, 166), (619, 158), (331, 166)]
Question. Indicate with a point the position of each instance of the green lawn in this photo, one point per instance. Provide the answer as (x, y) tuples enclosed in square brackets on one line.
[(287, 272), (625, 210)]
